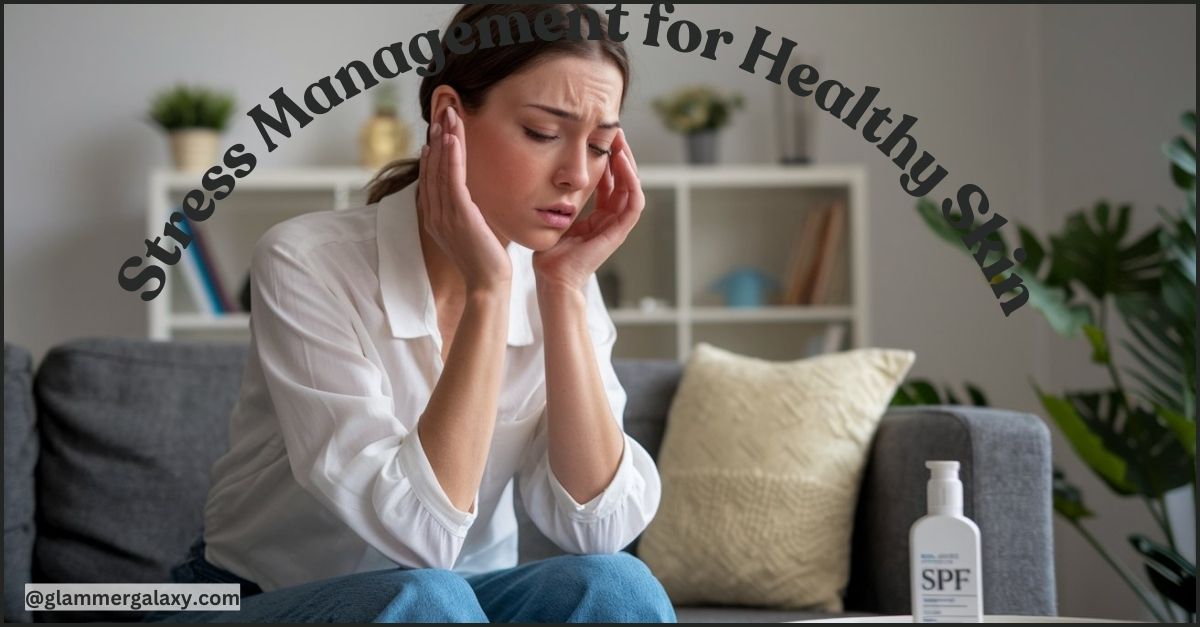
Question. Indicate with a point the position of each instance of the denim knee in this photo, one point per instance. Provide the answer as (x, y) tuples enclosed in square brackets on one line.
[(418, 595), (615, 588)]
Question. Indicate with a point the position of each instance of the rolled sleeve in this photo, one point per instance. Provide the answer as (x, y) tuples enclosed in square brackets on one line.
[(429, 489), (615, 517), (344, 443)]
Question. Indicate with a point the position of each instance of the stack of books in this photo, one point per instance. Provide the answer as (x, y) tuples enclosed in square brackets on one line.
[(204, 281), (816, 271)]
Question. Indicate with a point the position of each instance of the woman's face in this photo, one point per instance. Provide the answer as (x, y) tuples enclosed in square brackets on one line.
[(542, 138)]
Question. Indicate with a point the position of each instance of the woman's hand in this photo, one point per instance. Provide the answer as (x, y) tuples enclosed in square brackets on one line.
[(451, 217), (590, 241)]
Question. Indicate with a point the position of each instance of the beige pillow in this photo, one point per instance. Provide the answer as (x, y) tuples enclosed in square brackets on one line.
[(760, 465)]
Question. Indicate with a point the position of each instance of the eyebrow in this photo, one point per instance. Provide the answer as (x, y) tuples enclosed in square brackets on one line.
[(574, 117)]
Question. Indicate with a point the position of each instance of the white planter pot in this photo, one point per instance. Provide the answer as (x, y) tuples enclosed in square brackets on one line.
[(194, 149)]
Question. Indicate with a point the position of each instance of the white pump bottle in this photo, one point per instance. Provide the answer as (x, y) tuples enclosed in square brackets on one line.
[(947, 584)]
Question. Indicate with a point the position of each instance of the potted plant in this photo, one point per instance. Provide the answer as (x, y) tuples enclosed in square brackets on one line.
[(698, 112), (1136, 433), (194, 118)]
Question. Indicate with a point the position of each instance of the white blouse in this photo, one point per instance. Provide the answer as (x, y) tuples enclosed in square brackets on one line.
[(325, 475)]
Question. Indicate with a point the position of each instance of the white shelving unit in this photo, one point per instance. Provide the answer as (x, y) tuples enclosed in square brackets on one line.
[(699, 223)]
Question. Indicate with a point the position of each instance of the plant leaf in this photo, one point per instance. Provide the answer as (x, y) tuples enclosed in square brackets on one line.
[(1091, 252), (1068, 500), (1065, 318), (1165, 335), (1183, 429), (1053, 301), (923, 392), (1154, 461), (977, 397), (1172, 575), (1181, 154), (1087, 444), (1034, 253), (1099, 344)]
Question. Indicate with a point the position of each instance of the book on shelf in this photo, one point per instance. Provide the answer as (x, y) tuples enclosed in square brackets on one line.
[(209, 266), (839, 281), (829, 255), (803, 256), (201, 275)]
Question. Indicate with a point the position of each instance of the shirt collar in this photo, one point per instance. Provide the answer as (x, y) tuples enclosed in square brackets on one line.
[(404, 282)]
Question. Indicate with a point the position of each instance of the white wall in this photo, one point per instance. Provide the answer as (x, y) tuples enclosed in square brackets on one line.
[(78, 79)]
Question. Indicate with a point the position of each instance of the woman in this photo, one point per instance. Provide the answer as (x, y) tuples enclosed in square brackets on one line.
[(410, 357)]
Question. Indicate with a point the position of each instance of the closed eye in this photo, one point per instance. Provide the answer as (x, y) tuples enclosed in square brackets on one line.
[(538, 137)]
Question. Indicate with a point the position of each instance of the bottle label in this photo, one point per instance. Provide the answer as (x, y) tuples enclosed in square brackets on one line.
[(947, 585)]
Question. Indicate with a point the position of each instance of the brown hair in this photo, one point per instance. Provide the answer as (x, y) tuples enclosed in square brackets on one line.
[(472, 75)]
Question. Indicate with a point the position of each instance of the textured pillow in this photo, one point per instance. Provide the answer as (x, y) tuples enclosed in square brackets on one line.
[(760, 466)]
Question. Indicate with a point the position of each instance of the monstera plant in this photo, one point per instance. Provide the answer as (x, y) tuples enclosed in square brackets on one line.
[(1137, 434)]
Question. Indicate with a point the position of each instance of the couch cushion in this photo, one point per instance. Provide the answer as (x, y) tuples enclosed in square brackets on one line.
[(20, 456), (129, 431), (650, 386), (760, 465)]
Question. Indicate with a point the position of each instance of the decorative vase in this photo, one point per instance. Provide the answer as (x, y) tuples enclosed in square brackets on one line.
[(194, 149), (745, 287), (702, 146), (384, 138)]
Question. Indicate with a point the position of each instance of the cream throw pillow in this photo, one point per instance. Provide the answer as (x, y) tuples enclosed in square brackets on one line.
[(760, 465)]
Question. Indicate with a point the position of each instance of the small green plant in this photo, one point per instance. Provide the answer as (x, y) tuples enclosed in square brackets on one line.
[(183, 107), (697, 108)]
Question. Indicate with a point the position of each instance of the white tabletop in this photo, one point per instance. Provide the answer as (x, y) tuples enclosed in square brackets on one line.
[(990, 618)]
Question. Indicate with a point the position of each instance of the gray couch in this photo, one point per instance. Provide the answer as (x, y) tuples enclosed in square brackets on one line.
[(108, 448)]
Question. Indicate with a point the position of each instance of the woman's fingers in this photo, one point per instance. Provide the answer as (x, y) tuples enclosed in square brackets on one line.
[(630, 200), (435, 172), (604, 188), (456, 167), (624, 144), (423, 178)]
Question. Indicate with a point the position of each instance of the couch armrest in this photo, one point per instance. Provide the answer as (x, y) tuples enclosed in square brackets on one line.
[(1006, 474)]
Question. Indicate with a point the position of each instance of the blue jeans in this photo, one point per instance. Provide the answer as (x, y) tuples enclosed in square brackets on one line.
[(567, 588)]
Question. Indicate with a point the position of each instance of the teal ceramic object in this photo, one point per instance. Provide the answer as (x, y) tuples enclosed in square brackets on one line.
[(746, 287)]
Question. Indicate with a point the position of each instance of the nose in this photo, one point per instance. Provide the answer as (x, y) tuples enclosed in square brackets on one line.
[(573, 171)]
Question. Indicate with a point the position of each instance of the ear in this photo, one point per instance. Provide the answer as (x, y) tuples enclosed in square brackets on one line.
[(444, 96)]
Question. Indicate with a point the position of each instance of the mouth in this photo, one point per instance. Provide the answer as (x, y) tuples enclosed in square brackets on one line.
[(558, 216), (562, 208)]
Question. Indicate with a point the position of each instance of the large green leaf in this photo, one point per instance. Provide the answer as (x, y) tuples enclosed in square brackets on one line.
[(1178, 241), (1184, 429), (1053, 301), (1163, 345), (1065, 317), (1153, 459), (1171, 573), (1088, 444), (1181, 155), (1091, 253)]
